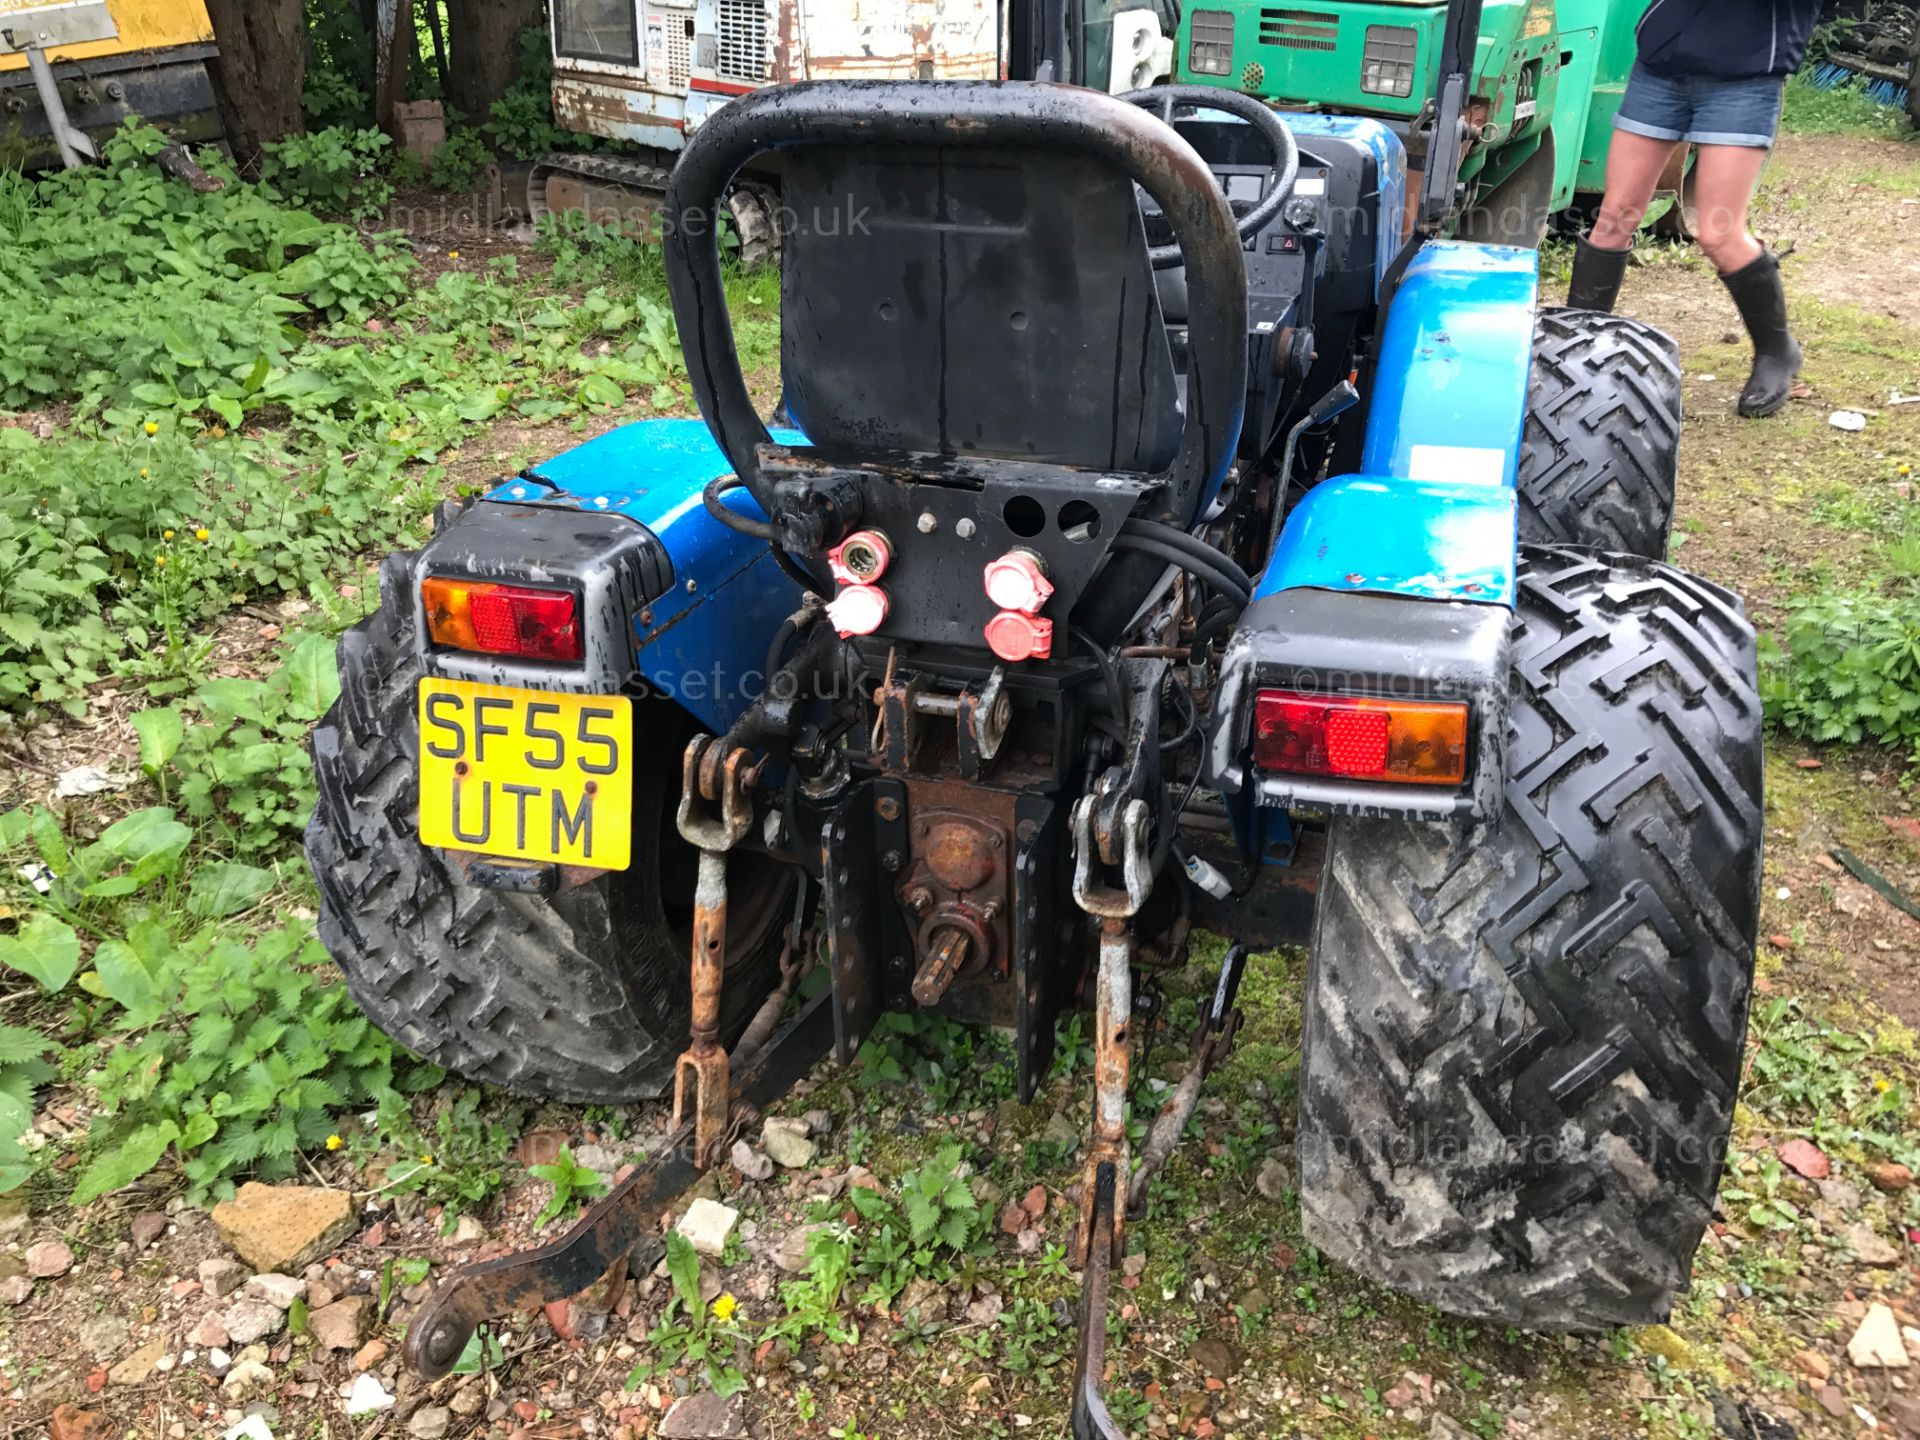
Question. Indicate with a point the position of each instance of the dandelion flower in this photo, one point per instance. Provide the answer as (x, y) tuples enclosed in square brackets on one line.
[(724, 1306), (203, 534), (160, 561), (334, 1142), (143, 472), (152, 427), (426, 1159), (166, 534), (453, 254)]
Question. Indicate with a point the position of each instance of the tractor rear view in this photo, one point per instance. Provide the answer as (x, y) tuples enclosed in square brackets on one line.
[(1170, 539)]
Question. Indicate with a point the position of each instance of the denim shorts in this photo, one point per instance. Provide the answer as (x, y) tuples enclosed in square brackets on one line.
[(1702, 109)]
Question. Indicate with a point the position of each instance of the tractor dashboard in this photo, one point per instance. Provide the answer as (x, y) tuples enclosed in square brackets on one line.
[(1313, 270)]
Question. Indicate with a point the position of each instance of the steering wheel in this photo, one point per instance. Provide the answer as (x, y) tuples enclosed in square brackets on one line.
[(1163, 100)]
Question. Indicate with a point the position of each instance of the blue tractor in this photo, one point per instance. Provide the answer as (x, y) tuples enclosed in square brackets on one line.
[(1170, 533)]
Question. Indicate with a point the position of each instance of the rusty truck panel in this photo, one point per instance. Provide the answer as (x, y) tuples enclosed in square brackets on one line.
[(695, 55), (886, 40)]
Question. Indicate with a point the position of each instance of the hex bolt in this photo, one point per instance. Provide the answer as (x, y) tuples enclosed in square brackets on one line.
[(887, 808), (919, 899), (891, 861), (964, 529), (926, 524)]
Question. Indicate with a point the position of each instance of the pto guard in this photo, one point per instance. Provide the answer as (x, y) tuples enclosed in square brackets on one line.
[(670, 598)]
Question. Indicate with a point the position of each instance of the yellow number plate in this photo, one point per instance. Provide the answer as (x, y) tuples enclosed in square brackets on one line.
[(527, 774)]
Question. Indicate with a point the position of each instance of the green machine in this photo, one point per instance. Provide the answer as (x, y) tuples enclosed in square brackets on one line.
[(1547, 79)]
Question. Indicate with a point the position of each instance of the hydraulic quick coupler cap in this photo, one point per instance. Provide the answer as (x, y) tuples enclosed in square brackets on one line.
[(1016, 581), (1015, 637), (858, 610), (861, 558)]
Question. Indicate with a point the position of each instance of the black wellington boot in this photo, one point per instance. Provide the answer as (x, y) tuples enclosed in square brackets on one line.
[(1762, 302), (1597, 275)]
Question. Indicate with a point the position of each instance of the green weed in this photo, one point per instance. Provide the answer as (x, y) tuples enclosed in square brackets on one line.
[(1846, 667), (336, 172), (571, 1183), (256, 395)]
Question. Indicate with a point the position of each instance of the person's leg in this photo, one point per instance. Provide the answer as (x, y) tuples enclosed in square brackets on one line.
[(1653, 115), (1724, 177), (1634, 166), (1726, 170)]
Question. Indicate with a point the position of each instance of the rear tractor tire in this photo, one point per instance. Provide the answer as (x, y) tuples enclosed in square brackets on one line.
[(1601, 447), (580, 996), (1523, 1038)]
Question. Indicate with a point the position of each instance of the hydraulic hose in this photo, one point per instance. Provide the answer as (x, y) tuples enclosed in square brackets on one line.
[(1192, 545), (799, 573), (1222, 581), (729, 517)]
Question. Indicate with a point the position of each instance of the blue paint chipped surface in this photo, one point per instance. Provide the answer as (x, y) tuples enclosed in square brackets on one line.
[(1454, 361), (1437, 541)]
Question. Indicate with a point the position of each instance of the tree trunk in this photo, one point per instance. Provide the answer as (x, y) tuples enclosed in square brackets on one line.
[(485, 39), (260, 72), (394, 51)]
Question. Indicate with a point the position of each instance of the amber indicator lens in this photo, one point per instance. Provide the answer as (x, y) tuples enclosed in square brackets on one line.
[(502, 619)]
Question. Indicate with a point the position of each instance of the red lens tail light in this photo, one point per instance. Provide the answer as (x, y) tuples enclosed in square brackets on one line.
[(1408, 742), (502, 619)]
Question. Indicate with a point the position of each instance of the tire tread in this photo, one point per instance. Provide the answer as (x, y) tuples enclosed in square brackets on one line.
[(1523, 1039)]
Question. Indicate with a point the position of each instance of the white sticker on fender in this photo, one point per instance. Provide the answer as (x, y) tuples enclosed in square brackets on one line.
[(1457, 462)]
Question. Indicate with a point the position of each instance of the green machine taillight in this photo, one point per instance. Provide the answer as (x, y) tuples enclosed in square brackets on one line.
[(1387, 60), (1210, 43)]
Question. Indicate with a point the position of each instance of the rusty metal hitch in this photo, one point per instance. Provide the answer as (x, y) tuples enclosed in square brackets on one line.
[(1099, 1242), (617, 1227), (714, 815), (1089, 1413)]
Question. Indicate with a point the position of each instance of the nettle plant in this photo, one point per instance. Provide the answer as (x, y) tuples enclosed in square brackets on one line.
[(1846, 667)]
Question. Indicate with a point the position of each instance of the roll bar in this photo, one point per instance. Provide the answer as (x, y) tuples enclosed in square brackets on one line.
[(1011, 116)]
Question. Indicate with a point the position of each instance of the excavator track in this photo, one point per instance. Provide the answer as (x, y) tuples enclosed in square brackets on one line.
[(618, 189), (606, 187)]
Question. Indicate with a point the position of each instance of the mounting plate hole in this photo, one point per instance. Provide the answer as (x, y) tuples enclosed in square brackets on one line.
[(1025, 516), (1079, 521)]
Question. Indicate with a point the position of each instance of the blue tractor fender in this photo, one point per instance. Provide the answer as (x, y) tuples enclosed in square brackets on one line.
[(1433, 511), (1399, 579), (702, 641)]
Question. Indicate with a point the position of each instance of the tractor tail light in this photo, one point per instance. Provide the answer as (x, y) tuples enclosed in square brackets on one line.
[(502, 619), (1409, 742)]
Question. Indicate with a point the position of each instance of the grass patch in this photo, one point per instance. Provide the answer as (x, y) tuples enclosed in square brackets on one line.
[(272, 385), (1842, 110)]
